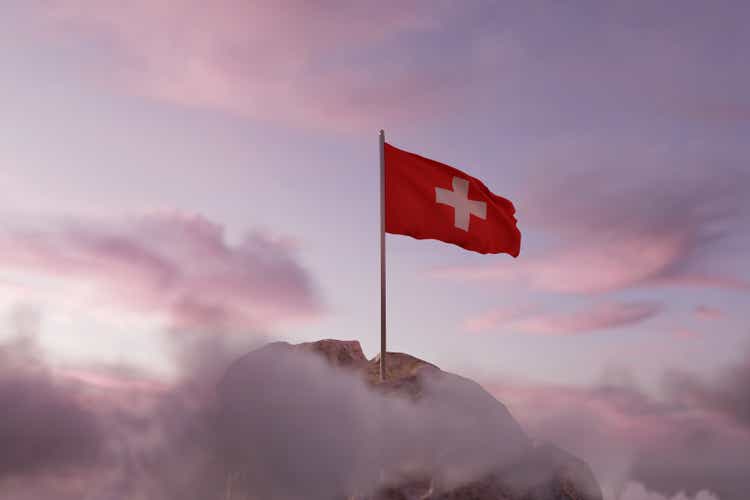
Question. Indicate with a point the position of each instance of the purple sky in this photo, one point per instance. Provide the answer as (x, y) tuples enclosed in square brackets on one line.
[(173, 166)]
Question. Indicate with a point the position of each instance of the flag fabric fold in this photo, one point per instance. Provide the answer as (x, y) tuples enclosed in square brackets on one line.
[(426, 199)]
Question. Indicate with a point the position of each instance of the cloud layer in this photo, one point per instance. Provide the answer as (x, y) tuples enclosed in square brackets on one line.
[(284, 61), (339, 65), (708, 312), (283, 426), (694, 438), (171, 265), (648, 219), (121, 441), (43, 428), (601, 316)]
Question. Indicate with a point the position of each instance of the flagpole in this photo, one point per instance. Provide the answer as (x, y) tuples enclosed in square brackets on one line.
[(382, 256)]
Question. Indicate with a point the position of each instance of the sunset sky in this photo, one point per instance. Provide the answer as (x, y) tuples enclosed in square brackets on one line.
[(137, 138), (170, 167)]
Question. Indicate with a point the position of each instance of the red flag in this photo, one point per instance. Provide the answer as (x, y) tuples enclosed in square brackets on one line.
[(425, 199)]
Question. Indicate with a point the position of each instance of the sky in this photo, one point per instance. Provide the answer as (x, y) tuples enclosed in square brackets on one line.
[(173, 167)]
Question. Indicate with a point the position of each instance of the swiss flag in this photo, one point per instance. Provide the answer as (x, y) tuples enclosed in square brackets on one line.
[(425, 199)]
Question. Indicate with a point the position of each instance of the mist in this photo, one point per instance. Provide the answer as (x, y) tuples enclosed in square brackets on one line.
[(280, 424), (285, 426), (690, 441)]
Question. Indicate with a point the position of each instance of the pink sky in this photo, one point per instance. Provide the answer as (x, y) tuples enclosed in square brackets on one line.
[(254, 130), (173, 167)]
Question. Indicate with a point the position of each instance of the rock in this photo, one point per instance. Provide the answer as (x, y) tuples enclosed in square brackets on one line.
[(344, 353), (466, 429)]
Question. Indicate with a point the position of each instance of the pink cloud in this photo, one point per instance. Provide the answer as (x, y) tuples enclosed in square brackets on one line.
[(699, 280), (172, 265), (648, 220), (708, 312), (111, 382), (636, 491), (717, 112), (599, 266), (687, 440), (601, 316), (685, 334), (288, 61), (598, 317), (492, 319), (342, 65)]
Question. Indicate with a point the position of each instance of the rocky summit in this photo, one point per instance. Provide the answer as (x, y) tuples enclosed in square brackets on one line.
[(334, 430)]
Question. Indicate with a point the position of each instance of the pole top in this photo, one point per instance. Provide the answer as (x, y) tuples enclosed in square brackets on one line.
[(382, 132)]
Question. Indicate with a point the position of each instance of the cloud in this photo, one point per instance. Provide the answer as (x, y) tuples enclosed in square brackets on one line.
[(171, 265), (720, 113), (321, 64), (343, 66), (68, 436), (43, 427), (685, 334), (600, 316), (693, 437), (128, 440), (646, 219), (636, 491), (727, 395), (493, 318), (281, 425), (708, 312)]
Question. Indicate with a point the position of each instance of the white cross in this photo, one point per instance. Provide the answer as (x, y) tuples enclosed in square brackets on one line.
[(463, 207)]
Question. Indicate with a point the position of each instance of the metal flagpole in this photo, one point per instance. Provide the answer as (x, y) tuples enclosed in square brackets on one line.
[(382, 255)]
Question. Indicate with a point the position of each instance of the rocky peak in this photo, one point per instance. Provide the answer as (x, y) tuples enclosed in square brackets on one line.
[(343, 353), (459, 425)]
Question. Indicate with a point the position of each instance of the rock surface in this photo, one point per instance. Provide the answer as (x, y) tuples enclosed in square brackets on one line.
[(521, 470)]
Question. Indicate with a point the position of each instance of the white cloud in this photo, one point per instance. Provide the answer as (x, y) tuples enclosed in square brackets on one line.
[(636, 491)]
